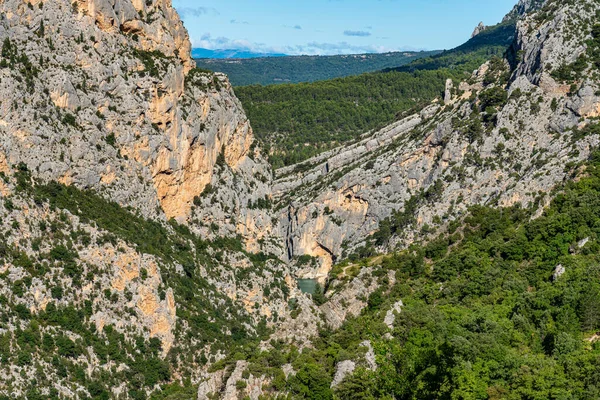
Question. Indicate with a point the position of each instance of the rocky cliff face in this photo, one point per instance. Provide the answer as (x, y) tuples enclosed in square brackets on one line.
[(110, 86), (523, 7), (504, 136), (102, 97)]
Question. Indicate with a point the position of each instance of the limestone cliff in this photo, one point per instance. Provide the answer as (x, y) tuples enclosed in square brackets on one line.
[(138, 255), (111, 88)]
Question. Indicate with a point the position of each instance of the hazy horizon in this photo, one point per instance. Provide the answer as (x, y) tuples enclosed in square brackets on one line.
[(331, 27)]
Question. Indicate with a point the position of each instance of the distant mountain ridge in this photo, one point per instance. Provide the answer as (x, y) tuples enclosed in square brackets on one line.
[(230, 53), (272, 69)]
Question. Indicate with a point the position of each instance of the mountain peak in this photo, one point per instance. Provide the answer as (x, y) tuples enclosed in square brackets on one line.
[(478, 29)]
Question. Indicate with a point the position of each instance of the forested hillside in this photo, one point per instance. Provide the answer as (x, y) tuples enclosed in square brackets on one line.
[(469, 56), (299, 121), (296, 69)]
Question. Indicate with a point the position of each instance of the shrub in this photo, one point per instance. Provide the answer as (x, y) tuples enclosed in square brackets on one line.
[(69, 119)]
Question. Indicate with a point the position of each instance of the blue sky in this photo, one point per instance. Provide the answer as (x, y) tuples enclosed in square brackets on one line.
[(335, 26)]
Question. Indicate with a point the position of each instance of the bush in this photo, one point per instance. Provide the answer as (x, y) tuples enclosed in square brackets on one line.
[(376, 299), (495, 97), (111, 140), (66, 347), (22, 311), (69, 119)]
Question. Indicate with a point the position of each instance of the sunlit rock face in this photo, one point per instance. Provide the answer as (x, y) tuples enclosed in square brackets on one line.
[(119, 108)]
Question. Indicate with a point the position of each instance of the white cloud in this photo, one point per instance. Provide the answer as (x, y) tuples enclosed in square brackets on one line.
[(357, 33), (186, 12)]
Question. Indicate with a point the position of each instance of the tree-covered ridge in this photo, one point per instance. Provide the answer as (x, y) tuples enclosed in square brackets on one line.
[(469, 56), (501, 306), (296, 69), (297, 122)]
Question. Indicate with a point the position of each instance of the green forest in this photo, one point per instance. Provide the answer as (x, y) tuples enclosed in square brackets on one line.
[(297, 69), (297, 121), (469, 56)]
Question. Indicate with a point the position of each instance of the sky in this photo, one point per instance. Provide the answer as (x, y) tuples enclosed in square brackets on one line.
[(335, 26)]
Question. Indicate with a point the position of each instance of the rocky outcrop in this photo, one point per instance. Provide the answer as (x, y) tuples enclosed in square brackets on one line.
[(126, 16), (390, 316), (347, 367), (478, 29), (157, 316), (548, 45), (558, 272), (302, 324), (342, 370), (234, 386), (522, 8), (350, 301), (321, 227), (211, 386)]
